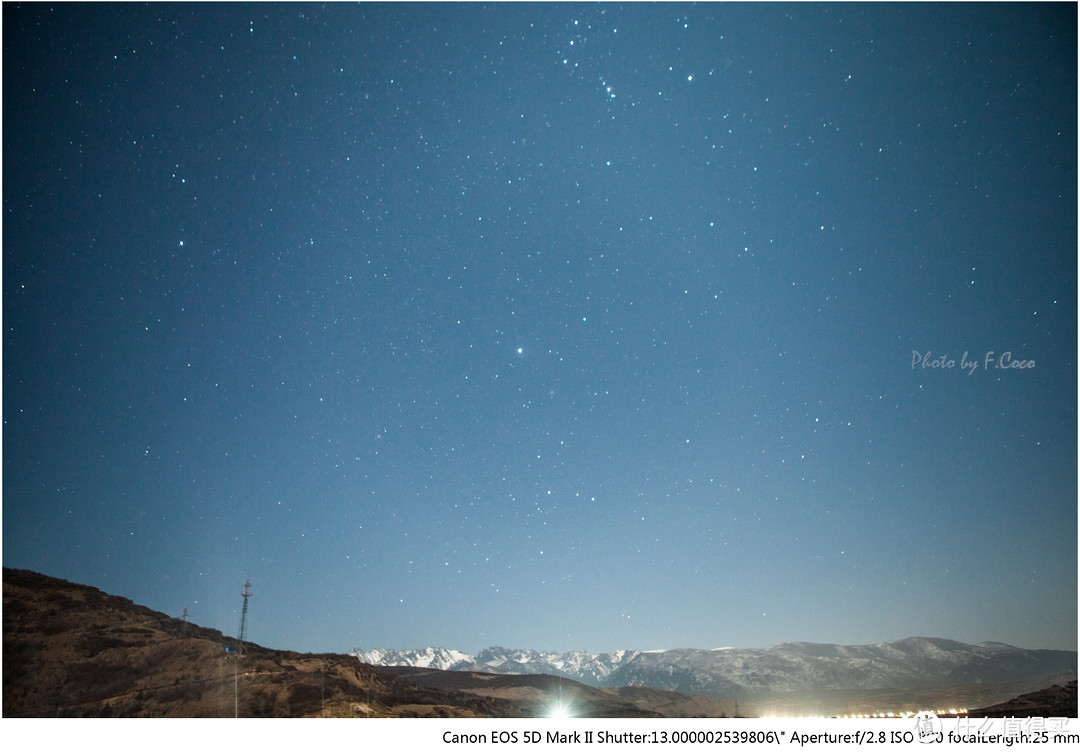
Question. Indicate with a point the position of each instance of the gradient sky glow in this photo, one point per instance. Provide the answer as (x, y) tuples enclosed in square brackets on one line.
[(546, 326)]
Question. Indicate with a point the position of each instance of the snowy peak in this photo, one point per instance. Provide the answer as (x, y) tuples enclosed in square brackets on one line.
[(576, 665), (429, 657)]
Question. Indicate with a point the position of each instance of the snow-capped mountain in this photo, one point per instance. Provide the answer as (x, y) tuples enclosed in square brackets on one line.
[(908, 663), (579, 666), (429, 657)]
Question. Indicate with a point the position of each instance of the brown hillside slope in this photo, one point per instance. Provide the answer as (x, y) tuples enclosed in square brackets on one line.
[(550, 693), (72, 650)]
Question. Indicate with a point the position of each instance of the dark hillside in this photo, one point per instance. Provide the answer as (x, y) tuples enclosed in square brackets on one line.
[(72, 650), (1056, 701)]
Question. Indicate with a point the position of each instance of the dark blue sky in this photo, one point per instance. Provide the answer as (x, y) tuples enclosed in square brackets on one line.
[(547, 326)]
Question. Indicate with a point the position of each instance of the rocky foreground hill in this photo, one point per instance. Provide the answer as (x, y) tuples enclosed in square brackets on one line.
[(72, 650), (1056, 701)]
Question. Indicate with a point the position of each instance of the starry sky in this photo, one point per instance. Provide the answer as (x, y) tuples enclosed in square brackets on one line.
[(548, 326)]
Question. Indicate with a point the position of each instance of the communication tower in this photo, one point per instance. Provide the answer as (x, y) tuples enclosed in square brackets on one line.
[(243, 617)]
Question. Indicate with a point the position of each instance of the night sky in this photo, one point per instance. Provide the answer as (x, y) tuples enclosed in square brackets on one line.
[(547, 326)]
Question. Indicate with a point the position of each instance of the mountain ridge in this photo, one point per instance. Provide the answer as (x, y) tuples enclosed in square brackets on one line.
[(912, 662)]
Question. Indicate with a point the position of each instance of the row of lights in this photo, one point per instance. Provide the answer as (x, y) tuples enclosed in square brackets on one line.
[(950, 711), (875, 715)]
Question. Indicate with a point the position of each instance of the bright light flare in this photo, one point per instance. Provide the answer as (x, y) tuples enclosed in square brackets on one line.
[(560, 711), (559, 708)]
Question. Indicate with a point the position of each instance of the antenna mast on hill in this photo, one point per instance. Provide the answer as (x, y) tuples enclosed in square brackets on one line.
[(243, 616)]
